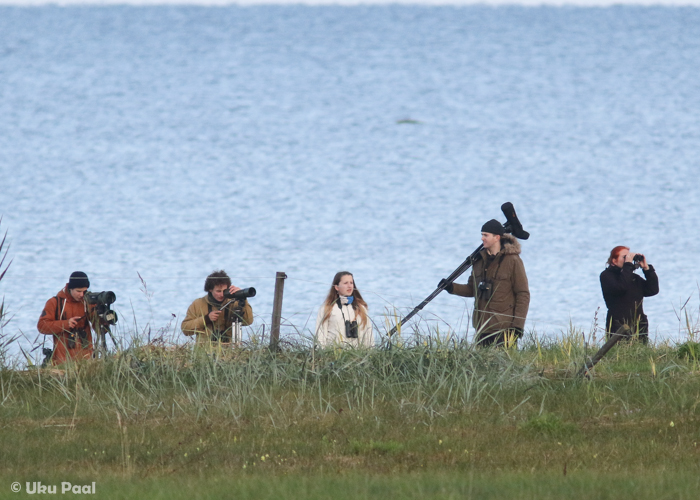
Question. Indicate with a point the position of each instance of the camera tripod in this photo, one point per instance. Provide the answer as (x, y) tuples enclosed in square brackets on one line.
[(236, 326), (101, 341)]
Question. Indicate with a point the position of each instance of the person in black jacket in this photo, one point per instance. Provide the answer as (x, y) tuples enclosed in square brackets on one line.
[(624, 291)]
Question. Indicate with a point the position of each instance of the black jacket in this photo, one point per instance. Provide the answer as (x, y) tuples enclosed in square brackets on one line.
[(623, 291)]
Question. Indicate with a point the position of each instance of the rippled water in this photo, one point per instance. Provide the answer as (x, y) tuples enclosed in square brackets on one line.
[(170, 141)]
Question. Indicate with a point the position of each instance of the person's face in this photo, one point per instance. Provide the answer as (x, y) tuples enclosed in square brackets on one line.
[(620, 261), (346, 285), (218, 292), (78, 293), (490, 240)]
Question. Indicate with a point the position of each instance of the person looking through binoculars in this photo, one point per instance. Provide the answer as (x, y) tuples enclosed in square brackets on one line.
[(69, 316), (217, 316), (624, 292), (342, 319), (499, 283)]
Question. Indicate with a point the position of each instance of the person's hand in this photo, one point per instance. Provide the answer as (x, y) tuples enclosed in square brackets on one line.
[(447, 288), (630, 257), (644, 264), (233, 289), (73, 322), (214, 315)]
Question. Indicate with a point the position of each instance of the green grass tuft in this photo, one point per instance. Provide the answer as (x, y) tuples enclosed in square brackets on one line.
[(549, 425)]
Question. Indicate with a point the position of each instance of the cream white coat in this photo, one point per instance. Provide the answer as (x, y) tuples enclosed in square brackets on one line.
[(332, 331)]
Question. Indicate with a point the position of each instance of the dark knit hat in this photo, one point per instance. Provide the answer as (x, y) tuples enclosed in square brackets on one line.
[(78, 280), (493, 227)]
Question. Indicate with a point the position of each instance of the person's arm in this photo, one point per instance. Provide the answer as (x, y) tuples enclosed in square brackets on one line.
[(247, 314), (194, 322), (322, 328), (617, 284), (367, 334), (521, 291), (93, 319), (651, 283), (48, 325), (246, 310), (465, 290)]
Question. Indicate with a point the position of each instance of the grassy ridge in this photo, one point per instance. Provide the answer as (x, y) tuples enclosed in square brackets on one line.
[(429, 414)]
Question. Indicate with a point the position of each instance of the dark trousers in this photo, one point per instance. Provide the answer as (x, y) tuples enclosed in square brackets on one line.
[(639, 329), (496, 339)]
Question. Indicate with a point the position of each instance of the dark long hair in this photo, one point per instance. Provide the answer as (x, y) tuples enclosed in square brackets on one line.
[(358, 304)]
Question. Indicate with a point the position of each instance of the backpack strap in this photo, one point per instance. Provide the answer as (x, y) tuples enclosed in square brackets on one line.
[(59, 308)]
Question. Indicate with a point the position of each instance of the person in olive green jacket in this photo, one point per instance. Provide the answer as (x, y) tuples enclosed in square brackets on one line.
[(499, 283), (211, 317)]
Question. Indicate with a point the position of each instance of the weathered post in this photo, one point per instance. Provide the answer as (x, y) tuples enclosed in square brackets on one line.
[(277, 311), (623, 332)]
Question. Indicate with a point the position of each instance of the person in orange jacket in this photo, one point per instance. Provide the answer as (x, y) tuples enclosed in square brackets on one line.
[(68, 318)]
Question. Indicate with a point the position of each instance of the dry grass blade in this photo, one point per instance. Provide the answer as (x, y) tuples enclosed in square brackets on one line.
[(4, 256)]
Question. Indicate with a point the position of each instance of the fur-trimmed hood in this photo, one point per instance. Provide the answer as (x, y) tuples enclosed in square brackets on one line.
[(510, 245)]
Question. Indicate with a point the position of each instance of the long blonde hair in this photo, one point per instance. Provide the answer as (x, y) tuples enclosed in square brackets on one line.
[(358, 304)]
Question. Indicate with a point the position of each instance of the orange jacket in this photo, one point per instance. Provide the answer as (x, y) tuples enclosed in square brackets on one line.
[(67, 343)]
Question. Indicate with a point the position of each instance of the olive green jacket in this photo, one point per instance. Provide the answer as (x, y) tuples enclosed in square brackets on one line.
[(197, 321), (510, 297)]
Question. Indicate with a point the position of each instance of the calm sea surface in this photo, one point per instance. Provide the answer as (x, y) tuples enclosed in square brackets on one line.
[(167, 142)]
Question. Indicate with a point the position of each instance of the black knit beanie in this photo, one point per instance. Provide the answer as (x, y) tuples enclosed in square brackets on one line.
[(493, 227), (78, 280)]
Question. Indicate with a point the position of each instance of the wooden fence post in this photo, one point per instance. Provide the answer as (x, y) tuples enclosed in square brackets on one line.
[(623, 332), (277, 310)]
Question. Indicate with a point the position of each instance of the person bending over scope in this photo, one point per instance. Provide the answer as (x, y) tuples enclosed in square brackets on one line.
[(211, 318), (342, 319), (624, 292), (499, 283), (68, 318)]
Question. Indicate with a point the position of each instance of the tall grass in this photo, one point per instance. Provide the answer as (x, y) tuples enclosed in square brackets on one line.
[(152, 412), (427, 374), (5, 340), (423, 402), (436, 415)]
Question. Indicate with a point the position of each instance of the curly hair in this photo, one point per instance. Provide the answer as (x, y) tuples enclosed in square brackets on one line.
[(215, 279)]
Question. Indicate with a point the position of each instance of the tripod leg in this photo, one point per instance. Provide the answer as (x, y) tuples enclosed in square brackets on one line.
[(236, 332)]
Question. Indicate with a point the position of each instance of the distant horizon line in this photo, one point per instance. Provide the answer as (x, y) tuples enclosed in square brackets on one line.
[(457, 3)]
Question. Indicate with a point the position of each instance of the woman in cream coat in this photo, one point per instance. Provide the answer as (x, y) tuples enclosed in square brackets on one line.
[(342, 319)]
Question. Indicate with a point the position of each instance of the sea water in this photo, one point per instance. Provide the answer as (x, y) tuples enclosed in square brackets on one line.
[(149, 146)]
